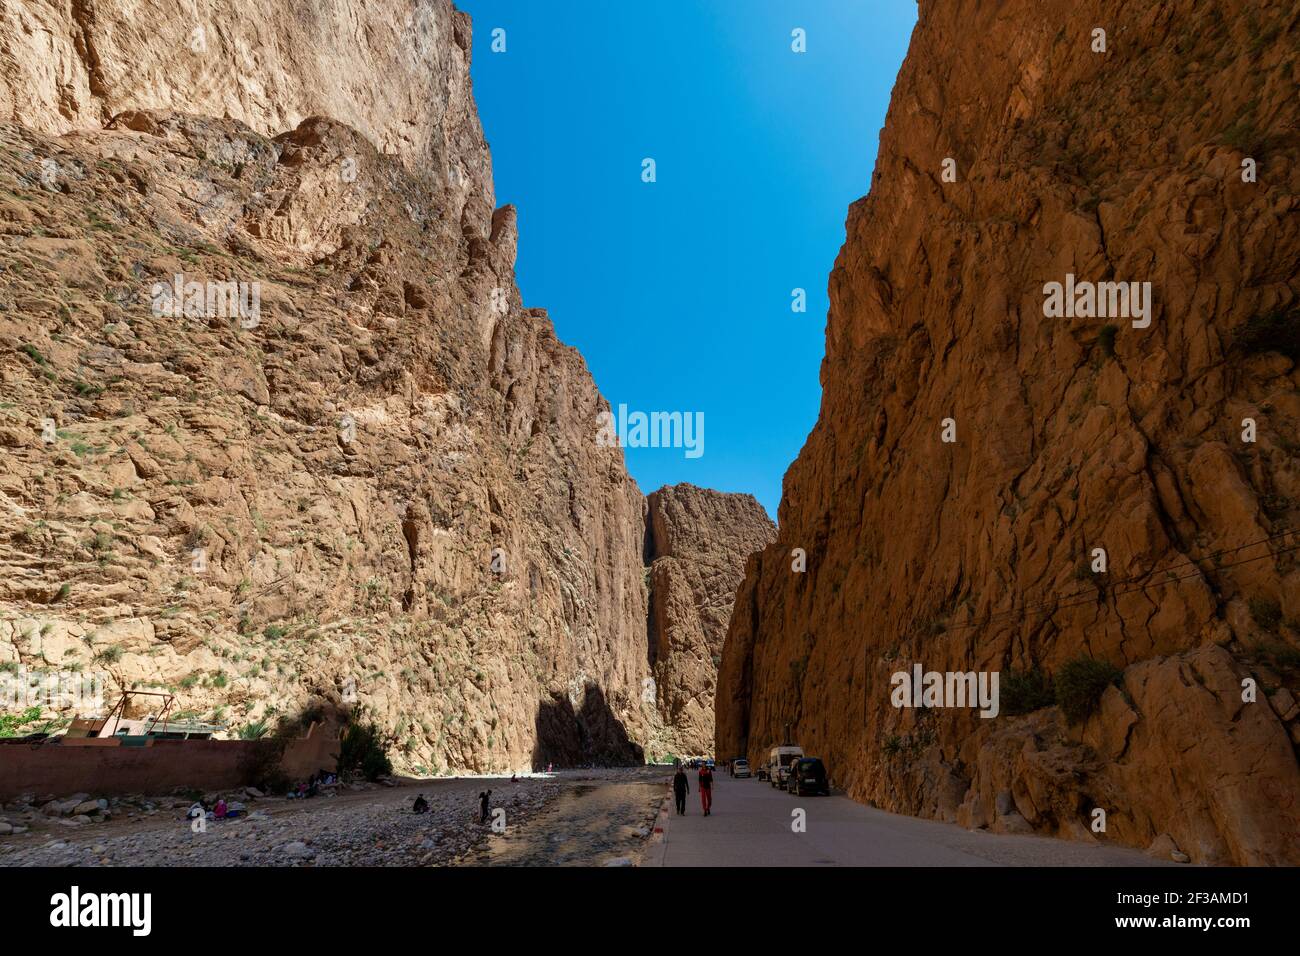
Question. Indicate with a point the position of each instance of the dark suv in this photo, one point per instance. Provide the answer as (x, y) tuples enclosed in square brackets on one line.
[(808, 775)]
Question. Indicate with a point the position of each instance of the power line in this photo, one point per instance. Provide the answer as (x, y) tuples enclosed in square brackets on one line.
[(1134, 583), (1130, 585)]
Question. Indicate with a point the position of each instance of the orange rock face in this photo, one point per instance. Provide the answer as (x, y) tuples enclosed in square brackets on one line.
[(1170, 441), (382, 484), (384, 488), (395, 70), (697, 541)]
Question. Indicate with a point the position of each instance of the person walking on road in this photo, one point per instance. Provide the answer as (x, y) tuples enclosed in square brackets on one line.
[(681, 787), (706, 788)]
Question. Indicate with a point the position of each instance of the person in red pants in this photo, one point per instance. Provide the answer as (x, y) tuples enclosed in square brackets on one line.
[(706, 788)]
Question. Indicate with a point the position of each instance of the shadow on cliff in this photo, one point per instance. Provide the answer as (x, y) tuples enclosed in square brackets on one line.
[(590, 735)]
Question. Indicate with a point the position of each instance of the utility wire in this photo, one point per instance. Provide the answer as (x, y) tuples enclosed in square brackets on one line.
[(1134, 583)]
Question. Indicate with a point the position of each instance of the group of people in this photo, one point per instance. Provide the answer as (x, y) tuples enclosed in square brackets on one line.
[(220, 810), (311, 787), (682, 786), (421, 805)]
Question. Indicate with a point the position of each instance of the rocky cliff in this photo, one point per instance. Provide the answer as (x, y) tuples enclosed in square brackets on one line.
[(697, 542), (977, 446), (394, 70), (278, 431)]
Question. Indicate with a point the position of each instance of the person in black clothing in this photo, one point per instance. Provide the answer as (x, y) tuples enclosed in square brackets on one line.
[(484, 811), (421, 805), (681, 787)]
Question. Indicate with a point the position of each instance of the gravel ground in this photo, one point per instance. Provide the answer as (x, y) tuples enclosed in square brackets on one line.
[(368, 827), (602, 820)]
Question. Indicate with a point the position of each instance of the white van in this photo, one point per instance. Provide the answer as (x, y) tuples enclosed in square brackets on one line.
[(779, 760)]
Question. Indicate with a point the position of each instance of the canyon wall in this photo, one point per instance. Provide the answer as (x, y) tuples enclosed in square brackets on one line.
[(380, 486), (1169, 157), (697, 542), (394, 70)]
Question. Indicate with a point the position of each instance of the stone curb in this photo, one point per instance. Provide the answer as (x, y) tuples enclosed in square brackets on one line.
[(657, 848)]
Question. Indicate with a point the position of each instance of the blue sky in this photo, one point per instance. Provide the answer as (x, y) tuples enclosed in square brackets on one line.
[(678, 292)]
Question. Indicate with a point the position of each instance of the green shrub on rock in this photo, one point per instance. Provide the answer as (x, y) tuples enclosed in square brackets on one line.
[(1080, 683)]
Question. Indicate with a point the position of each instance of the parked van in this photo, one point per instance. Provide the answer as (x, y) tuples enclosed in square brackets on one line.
[(778, 763), (808, 775)]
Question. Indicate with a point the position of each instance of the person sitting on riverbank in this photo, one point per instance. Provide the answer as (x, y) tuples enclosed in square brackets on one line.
[(421, 804)]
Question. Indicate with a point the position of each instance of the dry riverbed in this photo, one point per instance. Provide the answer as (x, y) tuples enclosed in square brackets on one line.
[(571, 818), (597, 821)]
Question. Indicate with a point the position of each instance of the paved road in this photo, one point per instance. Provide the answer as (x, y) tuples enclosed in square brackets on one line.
[(751, 826)]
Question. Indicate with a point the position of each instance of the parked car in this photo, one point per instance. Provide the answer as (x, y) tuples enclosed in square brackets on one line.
[(808, 775), (778, 763), (740, 767)]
